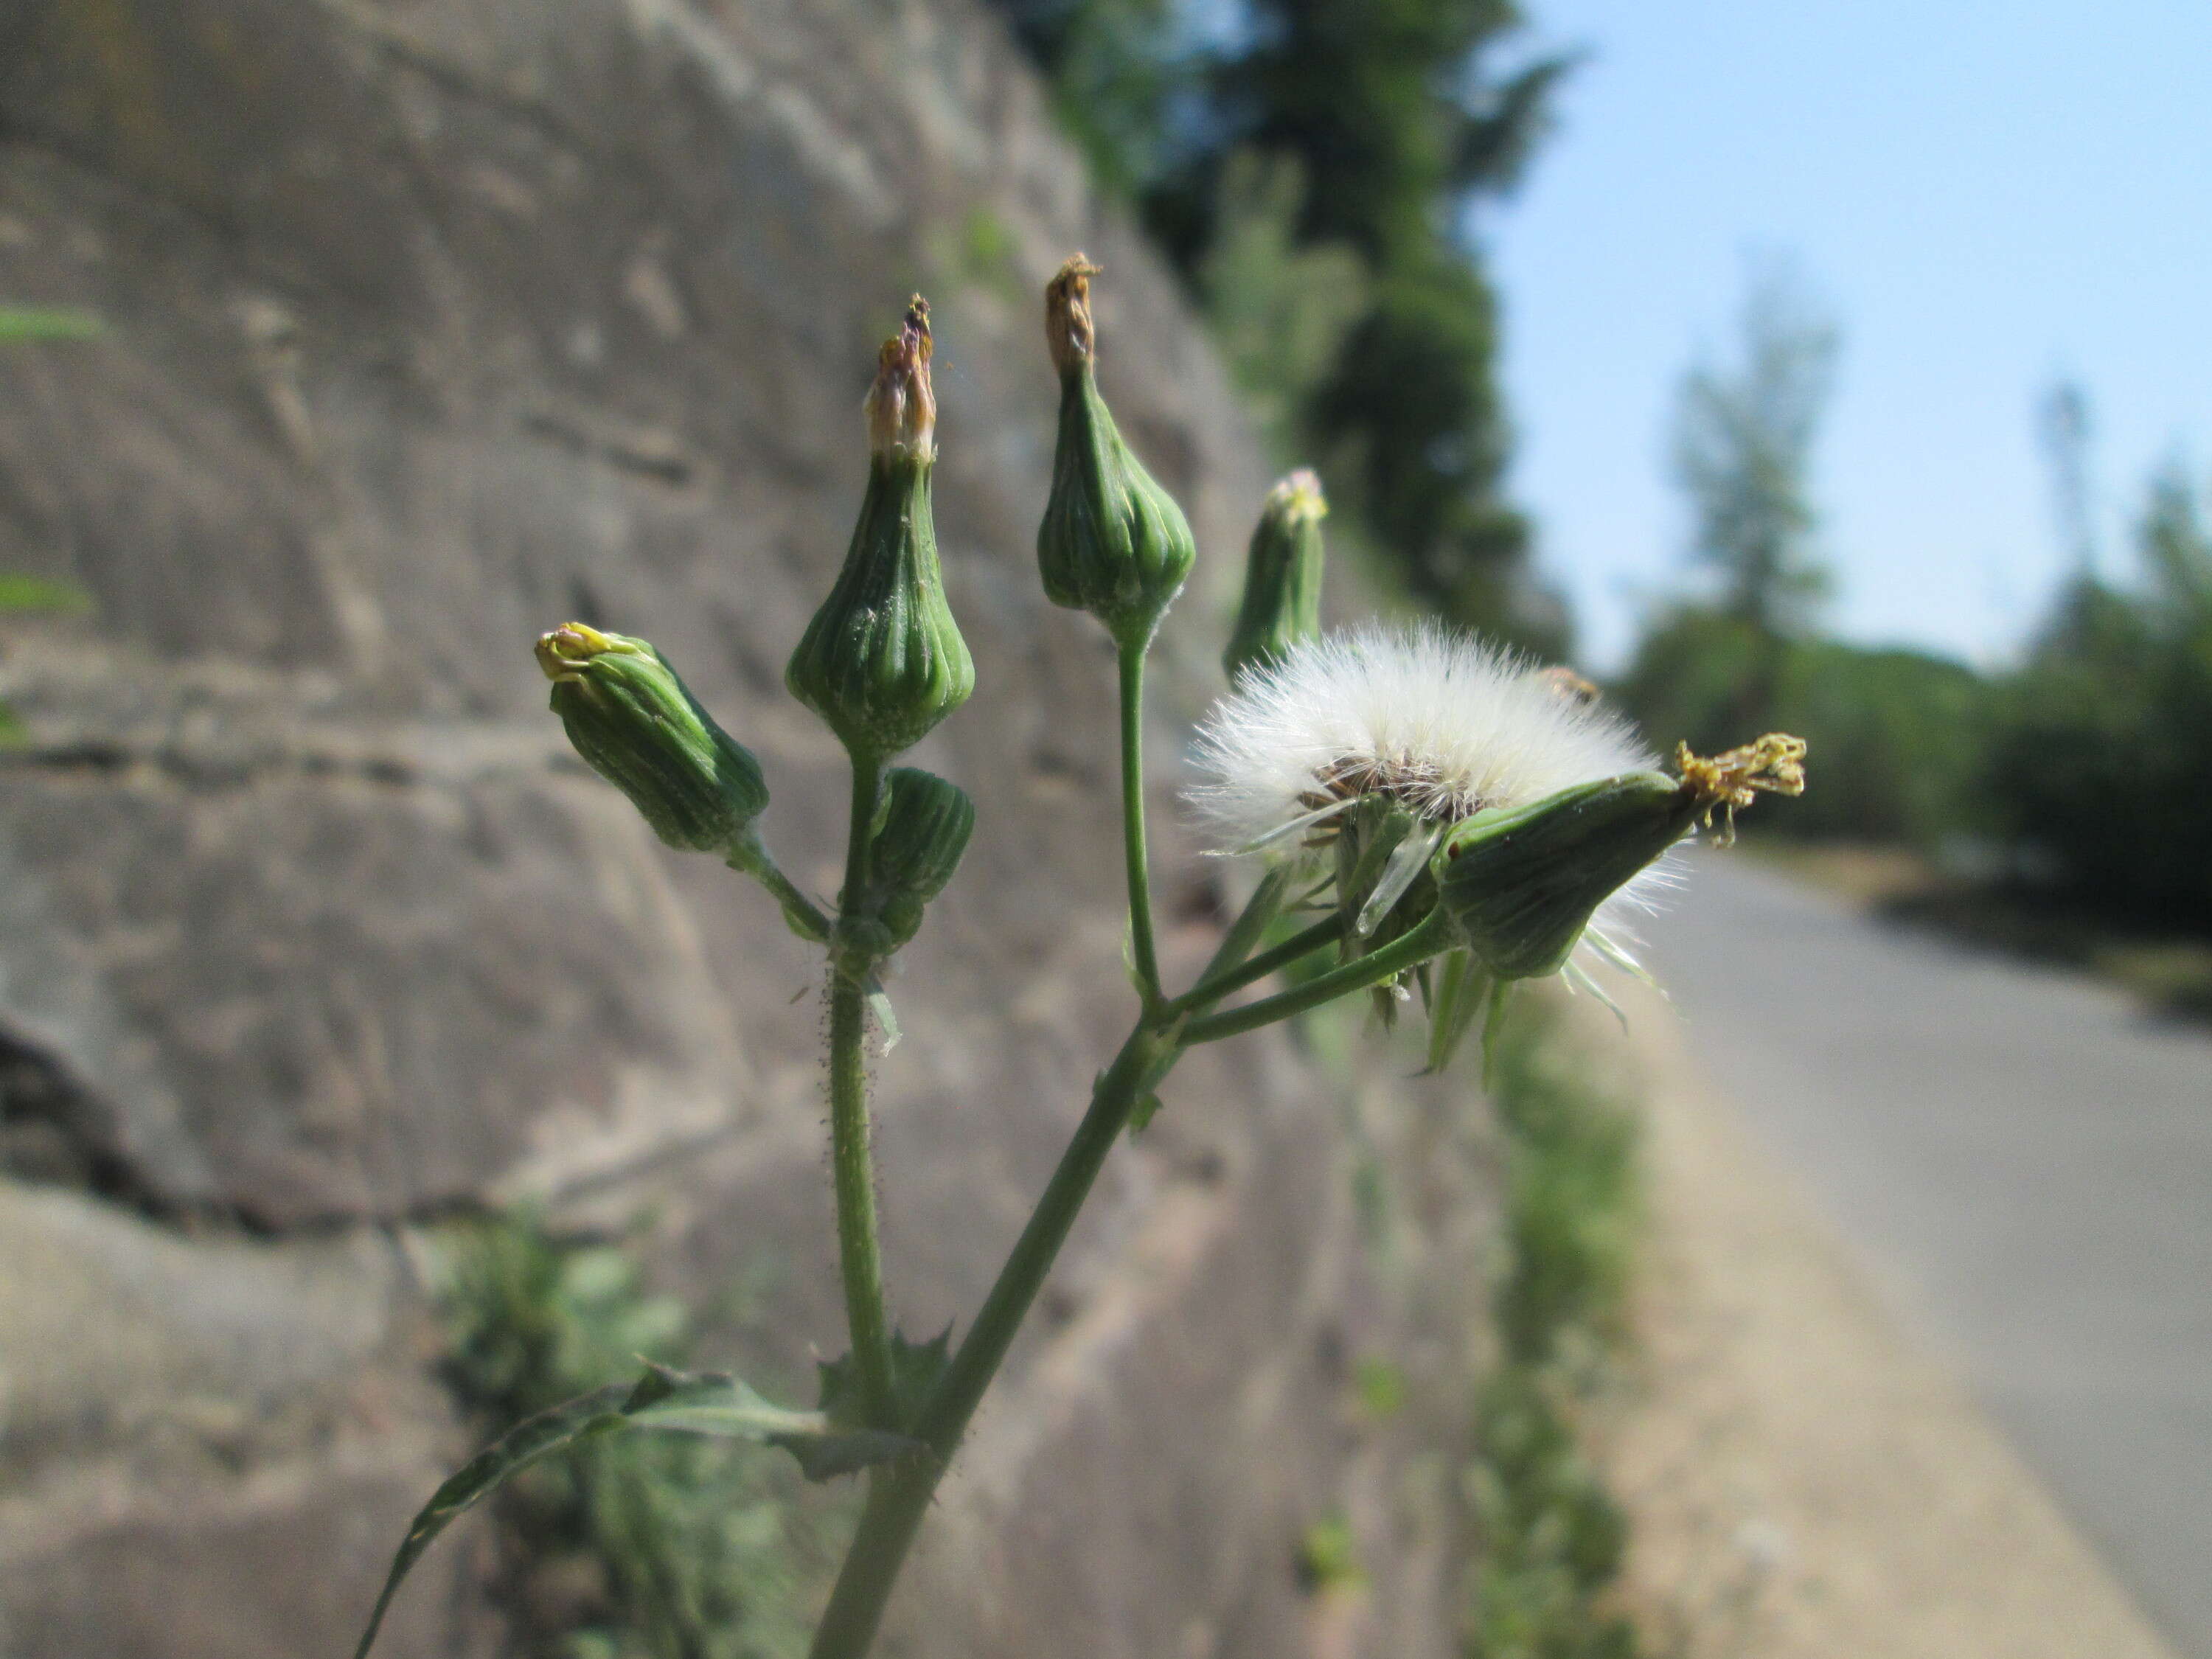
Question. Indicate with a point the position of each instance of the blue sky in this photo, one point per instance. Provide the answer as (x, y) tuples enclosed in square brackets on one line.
[(1987, 195)]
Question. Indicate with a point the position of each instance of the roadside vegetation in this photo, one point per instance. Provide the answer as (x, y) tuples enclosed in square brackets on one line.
[(630, 1546), (2054, 807), (1553, 1537)]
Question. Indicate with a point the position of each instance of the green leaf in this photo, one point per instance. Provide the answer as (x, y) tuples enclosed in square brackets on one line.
[(47, 323), (915, 1368), (1493, 1025), (1462, 991), (19, 592), (662, 1399)]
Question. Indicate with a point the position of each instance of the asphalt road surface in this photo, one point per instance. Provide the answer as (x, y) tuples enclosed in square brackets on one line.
[(2024, 1161)]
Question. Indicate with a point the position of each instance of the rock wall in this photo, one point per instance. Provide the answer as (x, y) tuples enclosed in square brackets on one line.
[(429, 325)]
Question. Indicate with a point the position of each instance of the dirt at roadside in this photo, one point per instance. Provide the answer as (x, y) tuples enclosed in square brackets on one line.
[(1804, 1481)]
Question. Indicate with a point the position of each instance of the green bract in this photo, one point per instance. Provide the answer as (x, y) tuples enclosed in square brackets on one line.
[(1113, 542), (883, 660), (1522, 884), (922, 829), (637, 726), (1282, 577)]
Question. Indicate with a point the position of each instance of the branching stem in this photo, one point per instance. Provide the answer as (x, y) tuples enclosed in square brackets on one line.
[(1430, 937), (1215, 986)]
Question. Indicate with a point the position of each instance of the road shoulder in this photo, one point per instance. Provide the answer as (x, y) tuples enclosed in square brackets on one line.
[(1804, 1481)]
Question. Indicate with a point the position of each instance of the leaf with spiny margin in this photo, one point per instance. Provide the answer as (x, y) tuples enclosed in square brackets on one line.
[(915, 1368), (681, 1401)]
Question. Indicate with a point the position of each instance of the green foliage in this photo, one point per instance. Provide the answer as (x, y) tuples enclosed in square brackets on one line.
[(632, 1546), (1742, 447), (1328, 1557), (21, 593), (46, 323), (1552, 1539), (1280, 307), (1119, 73), (2102, 741), (1570, 1197), (1380, 1384), (1894, 735)]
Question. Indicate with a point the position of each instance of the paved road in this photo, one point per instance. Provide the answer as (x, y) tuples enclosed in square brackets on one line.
[(2025, 1163)]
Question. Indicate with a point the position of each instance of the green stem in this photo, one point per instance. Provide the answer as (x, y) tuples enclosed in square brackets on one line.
[(899, 1496), (1433, 936), (750, 855), (1133, 820), (851, 1168), (1261, 909), (1212, 987)]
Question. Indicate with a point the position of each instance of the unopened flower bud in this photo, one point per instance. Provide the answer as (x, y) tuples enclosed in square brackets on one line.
[(1522, 885), (920, 833), (637, 726), (1282, 577), (883, 660), (1113, 542)]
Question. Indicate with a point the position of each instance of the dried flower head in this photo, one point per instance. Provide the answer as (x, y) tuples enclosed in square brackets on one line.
[(901, 408), (1375, 746), (1775, 764), (1438, 722)]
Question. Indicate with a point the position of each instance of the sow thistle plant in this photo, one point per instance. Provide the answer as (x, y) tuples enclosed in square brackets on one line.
[(1451, 818)]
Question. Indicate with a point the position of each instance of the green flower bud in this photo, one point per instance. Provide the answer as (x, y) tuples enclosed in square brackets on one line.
[(638, 726), (1523, 884), (922, 829), (1113, 542), (883, 660), (1282, 577)]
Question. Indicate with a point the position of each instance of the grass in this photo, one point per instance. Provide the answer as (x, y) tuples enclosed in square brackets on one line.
[(1553, 1538), (633, 1547)]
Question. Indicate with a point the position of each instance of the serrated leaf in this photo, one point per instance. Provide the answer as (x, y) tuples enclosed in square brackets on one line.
[(915, 1368), (669, 1401)]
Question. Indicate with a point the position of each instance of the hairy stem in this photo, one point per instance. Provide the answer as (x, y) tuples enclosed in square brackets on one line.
[(899, 1496), (1133, 820), (851, 1163)]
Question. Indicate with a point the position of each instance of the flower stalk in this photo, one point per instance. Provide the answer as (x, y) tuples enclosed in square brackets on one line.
[(1460, 817)]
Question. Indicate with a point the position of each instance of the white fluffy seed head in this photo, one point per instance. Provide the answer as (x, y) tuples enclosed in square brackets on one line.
[(1448, 726)]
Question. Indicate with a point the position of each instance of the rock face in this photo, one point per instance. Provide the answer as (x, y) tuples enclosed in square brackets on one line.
[(430, 326)]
